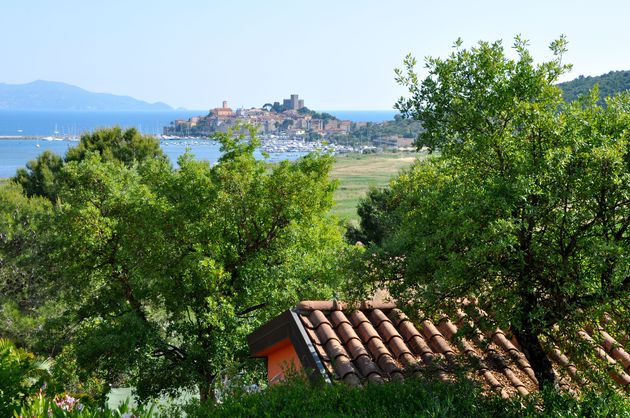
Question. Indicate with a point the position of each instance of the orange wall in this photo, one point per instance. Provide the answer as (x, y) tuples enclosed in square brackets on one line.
[(281, 357)]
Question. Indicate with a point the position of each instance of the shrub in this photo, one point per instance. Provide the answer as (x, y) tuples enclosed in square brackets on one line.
[(21, 375), (411, 398), (68, 407)]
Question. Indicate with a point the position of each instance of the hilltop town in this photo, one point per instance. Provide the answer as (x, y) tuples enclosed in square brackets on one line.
[(290, 118)]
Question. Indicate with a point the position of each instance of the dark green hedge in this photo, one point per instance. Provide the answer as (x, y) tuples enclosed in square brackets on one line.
[(412, 398)]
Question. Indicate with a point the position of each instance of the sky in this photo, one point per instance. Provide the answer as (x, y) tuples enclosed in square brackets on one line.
[(335, 54)]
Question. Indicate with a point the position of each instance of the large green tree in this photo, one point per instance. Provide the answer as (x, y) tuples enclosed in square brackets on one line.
[(163, 271), (25, 205), (526, 209)]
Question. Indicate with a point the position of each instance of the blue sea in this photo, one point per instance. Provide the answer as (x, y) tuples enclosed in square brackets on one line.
[(15, 153), (364, 115), (68, 123)]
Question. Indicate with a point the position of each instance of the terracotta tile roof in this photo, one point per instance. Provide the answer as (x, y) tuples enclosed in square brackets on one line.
[(375, 341)]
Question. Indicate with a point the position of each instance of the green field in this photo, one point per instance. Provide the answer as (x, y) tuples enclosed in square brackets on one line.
[(358, 172)]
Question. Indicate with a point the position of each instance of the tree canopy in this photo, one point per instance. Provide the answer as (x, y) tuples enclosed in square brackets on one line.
[(159, 273), (23, 292), (40, 176), (526, 209)]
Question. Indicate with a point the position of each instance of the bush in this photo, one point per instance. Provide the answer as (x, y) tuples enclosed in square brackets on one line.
[(300, 399), (411, 398), (21, 375), (68, 407)]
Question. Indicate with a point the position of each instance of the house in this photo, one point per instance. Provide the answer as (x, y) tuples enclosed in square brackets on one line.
[(375, 341)]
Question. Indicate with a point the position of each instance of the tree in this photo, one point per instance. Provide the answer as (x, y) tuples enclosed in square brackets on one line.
[(40, 175), (165, 271), (25, 211), (129, 146), (377, 217), (278, 108), (23, 290), (527, 208), (286, 124)]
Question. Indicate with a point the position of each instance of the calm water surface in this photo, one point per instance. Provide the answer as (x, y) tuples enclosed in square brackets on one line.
[(43, 123), (15, 153)]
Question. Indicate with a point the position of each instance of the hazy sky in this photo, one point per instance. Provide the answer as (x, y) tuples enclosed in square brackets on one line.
[(335, 54)]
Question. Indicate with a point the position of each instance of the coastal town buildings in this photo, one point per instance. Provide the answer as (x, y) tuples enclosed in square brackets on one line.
[(292, 117)]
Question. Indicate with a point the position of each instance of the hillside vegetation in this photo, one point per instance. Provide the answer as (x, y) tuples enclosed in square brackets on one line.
[(609, 84)]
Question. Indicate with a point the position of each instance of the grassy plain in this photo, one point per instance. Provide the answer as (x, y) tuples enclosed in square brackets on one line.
[(358, 172)]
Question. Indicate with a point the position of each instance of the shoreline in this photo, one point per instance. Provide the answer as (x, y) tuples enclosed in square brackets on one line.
[(38, 137)]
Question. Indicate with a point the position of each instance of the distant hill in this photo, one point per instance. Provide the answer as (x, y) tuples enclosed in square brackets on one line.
[(50, 95), (609, 84)]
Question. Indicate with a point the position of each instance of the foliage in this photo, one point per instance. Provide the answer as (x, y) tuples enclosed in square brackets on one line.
[(28, 307), (21, 375), (24, 294), (608, 84), (411, 398), (26, 301), (316, 115), (40, 176), (406, 128), (163, 272), (379, 133), (527, 209), (111, 144), (378, 217), (68, 407)]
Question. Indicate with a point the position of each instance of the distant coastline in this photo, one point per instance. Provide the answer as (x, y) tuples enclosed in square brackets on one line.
[(55, 96), (37, 138)]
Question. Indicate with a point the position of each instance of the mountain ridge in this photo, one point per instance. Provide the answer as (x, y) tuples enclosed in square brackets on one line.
[(54, 95)]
